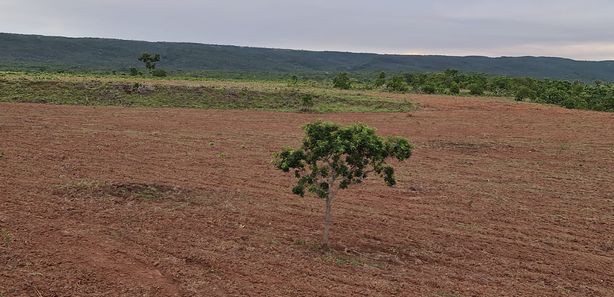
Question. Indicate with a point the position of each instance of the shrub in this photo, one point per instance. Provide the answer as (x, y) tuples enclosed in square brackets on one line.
[(454, 89), (428, 89), (307, 103), (476, 89), (570, 103), (158, 73), (554, 96), (523, 93), (397, 84), (381, 80), (134, 71), (293, 81), (342, 81)]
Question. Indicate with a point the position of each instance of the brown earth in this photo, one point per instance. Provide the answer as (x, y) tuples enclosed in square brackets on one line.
[(499, 199)]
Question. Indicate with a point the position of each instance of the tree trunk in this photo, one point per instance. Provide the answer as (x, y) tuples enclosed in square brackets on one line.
[(327, 217)]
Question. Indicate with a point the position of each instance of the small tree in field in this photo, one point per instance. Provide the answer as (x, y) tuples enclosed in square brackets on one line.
[(334, 157), (150, 60)]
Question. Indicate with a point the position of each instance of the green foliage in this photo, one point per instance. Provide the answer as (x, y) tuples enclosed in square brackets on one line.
[(454, 88), (428, 89), (381, 80), (159, 73), (126, 91), (149, 60), (307, 103), (523, 93), (23, 52), (342, 81), (333, 154), (134, 71), (333, 157), (397, 84), (554, 96), (597, 96), (293, 81), (476, 89)]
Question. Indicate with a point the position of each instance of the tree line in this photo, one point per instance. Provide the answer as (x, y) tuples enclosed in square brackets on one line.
[(598, 95)]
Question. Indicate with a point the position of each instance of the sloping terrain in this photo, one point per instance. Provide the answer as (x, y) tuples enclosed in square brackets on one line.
[(33, 52), (499, 199)]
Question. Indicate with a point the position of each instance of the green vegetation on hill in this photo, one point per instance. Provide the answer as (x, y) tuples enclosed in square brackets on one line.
[(119, 91), (44, 53), (574, 95)]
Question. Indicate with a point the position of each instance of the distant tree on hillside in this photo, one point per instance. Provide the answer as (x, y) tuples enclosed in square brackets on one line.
[(334, 157), (149, 60)]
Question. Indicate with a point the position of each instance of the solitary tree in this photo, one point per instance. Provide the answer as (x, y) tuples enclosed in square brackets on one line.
[(150, 60), (334, 157)]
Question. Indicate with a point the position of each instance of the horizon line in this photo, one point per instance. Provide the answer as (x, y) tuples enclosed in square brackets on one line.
[(312, 50)]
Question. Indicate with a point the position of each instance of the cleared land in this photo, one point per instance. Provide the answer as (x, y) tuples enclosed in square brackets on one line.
[(499, 199)]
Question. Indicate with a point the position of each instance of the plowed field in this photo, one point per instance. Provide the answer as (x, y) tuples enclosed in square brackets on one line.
[(499, 199)]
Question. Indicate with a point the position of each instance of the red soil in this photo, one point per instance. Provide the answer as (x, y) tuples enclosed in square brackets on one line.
[(499, 199)]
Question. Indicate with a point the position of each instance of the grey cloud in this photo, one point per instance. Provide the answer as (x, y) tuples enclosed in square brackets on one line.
[(477, 27)]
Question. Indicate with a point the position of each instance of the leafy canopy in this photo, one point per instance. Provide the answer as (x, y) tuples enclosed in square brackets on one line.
[(150, 60), (332, 155), (342, 81)]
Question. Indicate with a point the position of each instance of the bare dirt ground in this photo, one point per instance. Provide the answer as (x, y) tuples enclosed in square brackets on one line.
[(499, 199)]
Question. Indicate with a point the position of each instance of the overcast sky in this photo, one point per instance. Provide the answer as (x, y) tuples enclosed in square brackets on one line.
[(580, 29)]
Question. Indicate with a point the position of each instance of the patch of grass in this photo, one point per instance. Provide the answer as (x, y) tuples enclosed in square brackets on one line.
[(120, 191), (188, 94), (6, 237), (343, 260), (300, 242)]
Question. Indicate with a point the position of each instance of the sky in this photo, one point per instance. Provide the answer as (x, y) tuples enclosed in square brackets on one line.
[(577, 29)]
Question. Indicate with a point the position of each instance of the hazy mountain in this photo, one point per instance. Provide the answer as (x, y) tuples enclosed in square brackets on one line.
[(33, 52)]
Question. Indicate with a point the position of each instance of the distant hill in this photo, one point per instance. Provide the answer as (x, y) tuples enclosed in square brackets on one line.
[(33, 52)]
